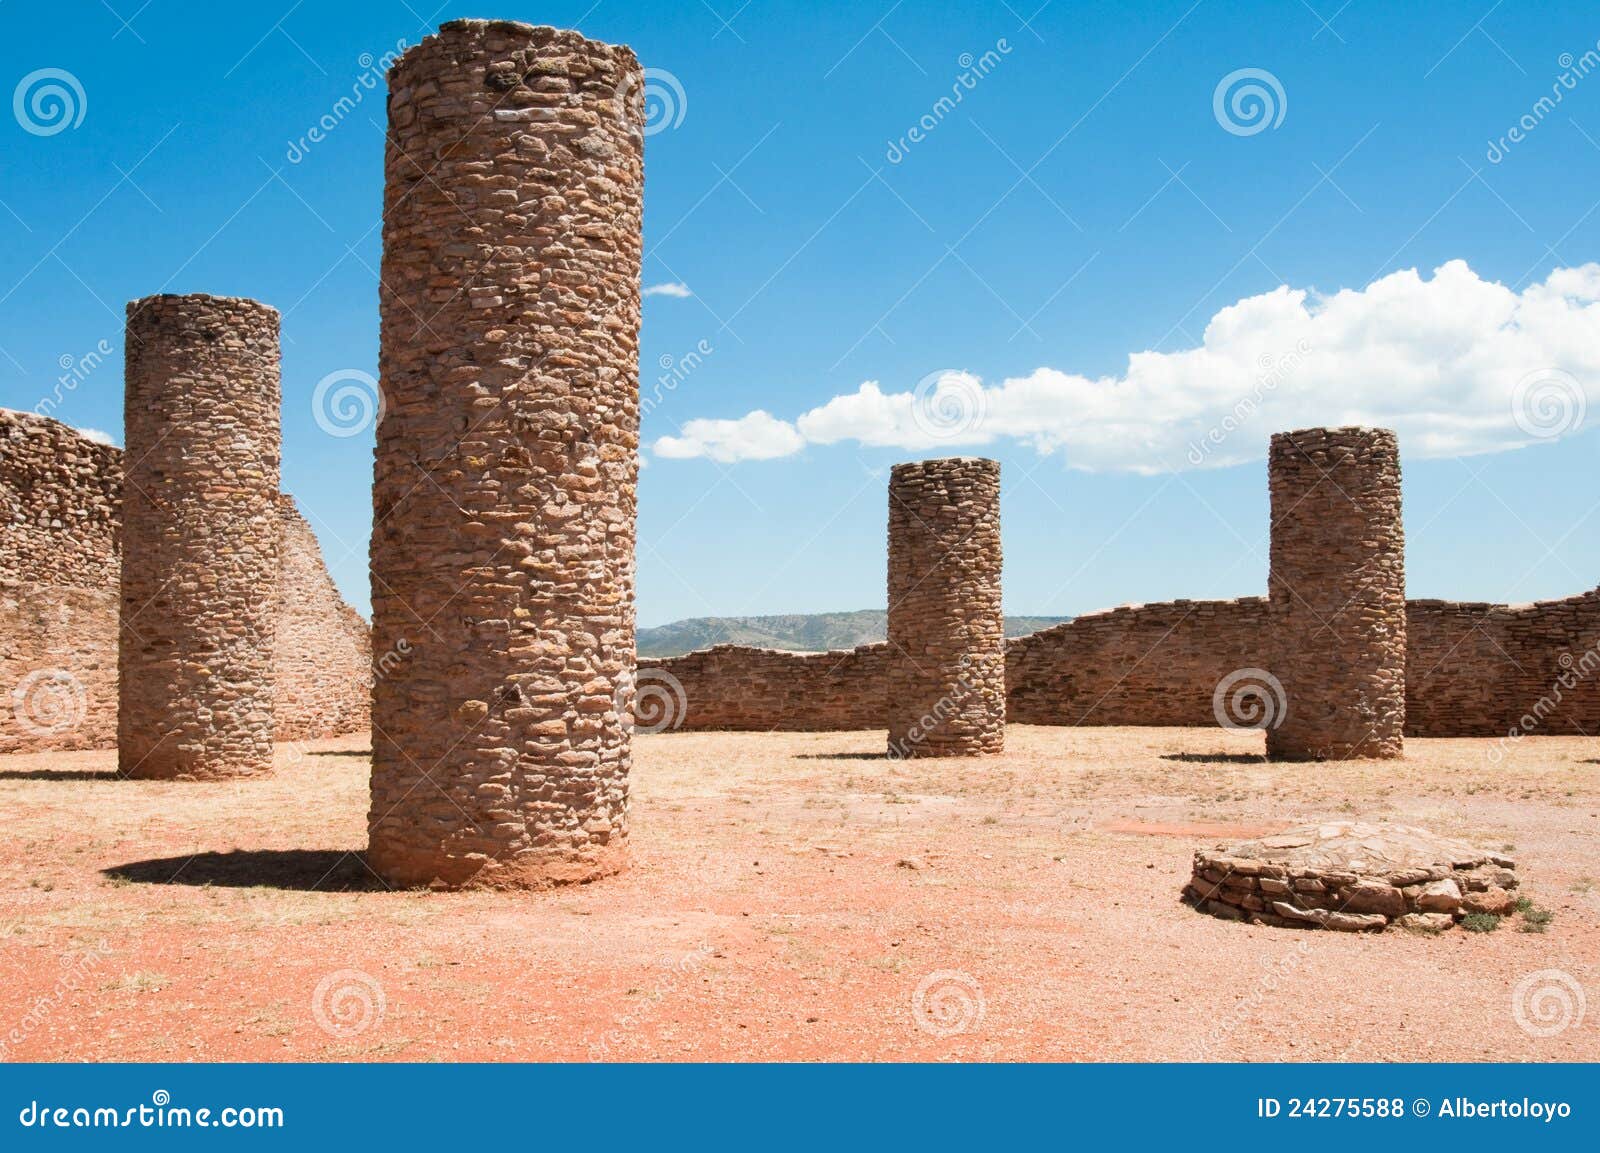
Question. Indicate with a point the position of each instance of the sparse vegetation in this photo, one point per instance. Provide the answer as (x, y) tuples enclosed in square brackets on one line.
[(1480, 922)]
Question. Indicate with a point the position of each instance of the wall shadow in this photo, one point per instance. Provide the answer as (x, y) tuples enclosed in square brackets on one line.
[(60, 775), (343, 753), (878, 756), (303, 870), (1216, 758)]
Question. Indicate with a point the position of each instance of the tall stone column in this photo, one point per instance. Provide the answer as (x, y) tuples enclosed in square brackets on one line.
[(947, 644), (1337, 594), (201, 420), (504, 489)]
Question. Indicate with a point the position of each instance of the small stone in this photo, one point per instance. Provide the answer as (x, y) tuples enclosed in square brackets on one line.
[(1440, 897), (913, 863)]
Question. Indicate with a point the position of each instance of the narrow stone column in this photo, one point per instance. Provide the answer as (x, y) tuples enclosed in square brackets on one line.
[(201, 419), (947, 644), (1337, 594), (504, 490)]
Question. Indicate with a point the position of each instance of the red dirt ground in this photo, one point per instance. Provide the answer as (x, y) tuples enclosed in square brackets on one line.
[(789, 894)]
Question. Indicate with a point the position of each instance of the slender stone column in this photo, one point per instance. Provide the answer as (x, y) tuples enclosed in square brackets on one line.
[(199, 538), (1337, 594), (504, 490), (947, 646)]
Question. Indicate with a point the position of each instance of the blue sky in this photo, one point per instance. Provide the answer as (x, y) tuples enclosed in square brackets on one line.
[(1087, 199)]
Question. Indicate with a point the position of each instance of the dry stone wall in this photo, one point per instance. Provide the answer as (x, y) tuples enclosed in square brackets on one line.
[(1337, 594), (504, 496), (1480, 670), (763, 690), (1155, 664), (60, 561), (321, 654), (947, 643)]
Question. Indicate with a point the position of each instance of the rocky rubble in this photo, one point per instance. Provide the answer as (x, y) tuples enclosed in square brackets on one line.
[(1352, 876)]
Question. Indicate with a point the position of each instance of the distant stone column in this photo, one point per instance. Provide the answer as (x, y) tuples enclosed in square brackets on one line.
[(1337, 594), (504, 493), (201, 420), (947, 646)]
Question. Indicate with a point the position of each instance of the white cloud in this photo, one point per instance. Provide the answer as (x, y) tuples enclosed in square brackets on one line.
[(672, 288), (96, 435), (1456, 364), (758, 436)]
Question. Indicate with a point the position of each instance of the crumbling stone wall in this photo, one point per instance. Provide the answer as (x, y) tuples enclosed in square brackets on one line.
[(504, 496), (200, 537), (60, 496), (947, 643), (1486, 670), (1337, 593), (1154, 664), (764, 690), (321, 651), (60, 565)]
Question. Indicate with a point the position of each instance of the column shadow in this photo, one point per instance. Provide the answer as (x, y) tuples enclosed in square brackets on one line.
[(303, 870)]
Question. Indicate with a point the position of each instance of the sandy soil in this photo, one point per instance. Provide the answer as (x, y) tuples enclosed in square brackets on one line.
[(792, 896)]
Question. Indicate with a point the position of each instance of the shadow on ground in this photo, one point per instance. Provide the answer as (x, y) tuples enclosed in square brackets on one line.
[(322, 870), (60, 775), (879, 756), (343, 753), (1216, 758)]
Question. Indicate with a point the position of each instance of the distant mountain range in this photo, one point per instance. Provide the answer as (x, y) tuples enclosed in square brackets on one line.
[(808, 632)]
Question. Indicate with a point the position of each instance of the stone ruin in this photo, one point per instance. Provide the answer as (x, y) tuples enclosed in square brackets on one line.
[(199, 538), (946, 690), (504, 493), (1354, 877), (60, 568), (1337, 594)]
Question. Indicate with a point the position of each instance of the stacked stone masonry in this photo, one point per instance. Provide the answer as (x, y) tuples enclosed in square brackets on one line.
[(201, 403), (1352, 877), (504, 497), (60, 563), (947, 646), (1472, 670), (1337, 594)]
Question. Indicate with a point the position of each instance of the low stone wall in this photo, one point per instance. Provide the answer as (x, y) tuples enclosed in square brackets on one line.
[(763, 690), (1471, 670), (1155, 664), (1482, 670)]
